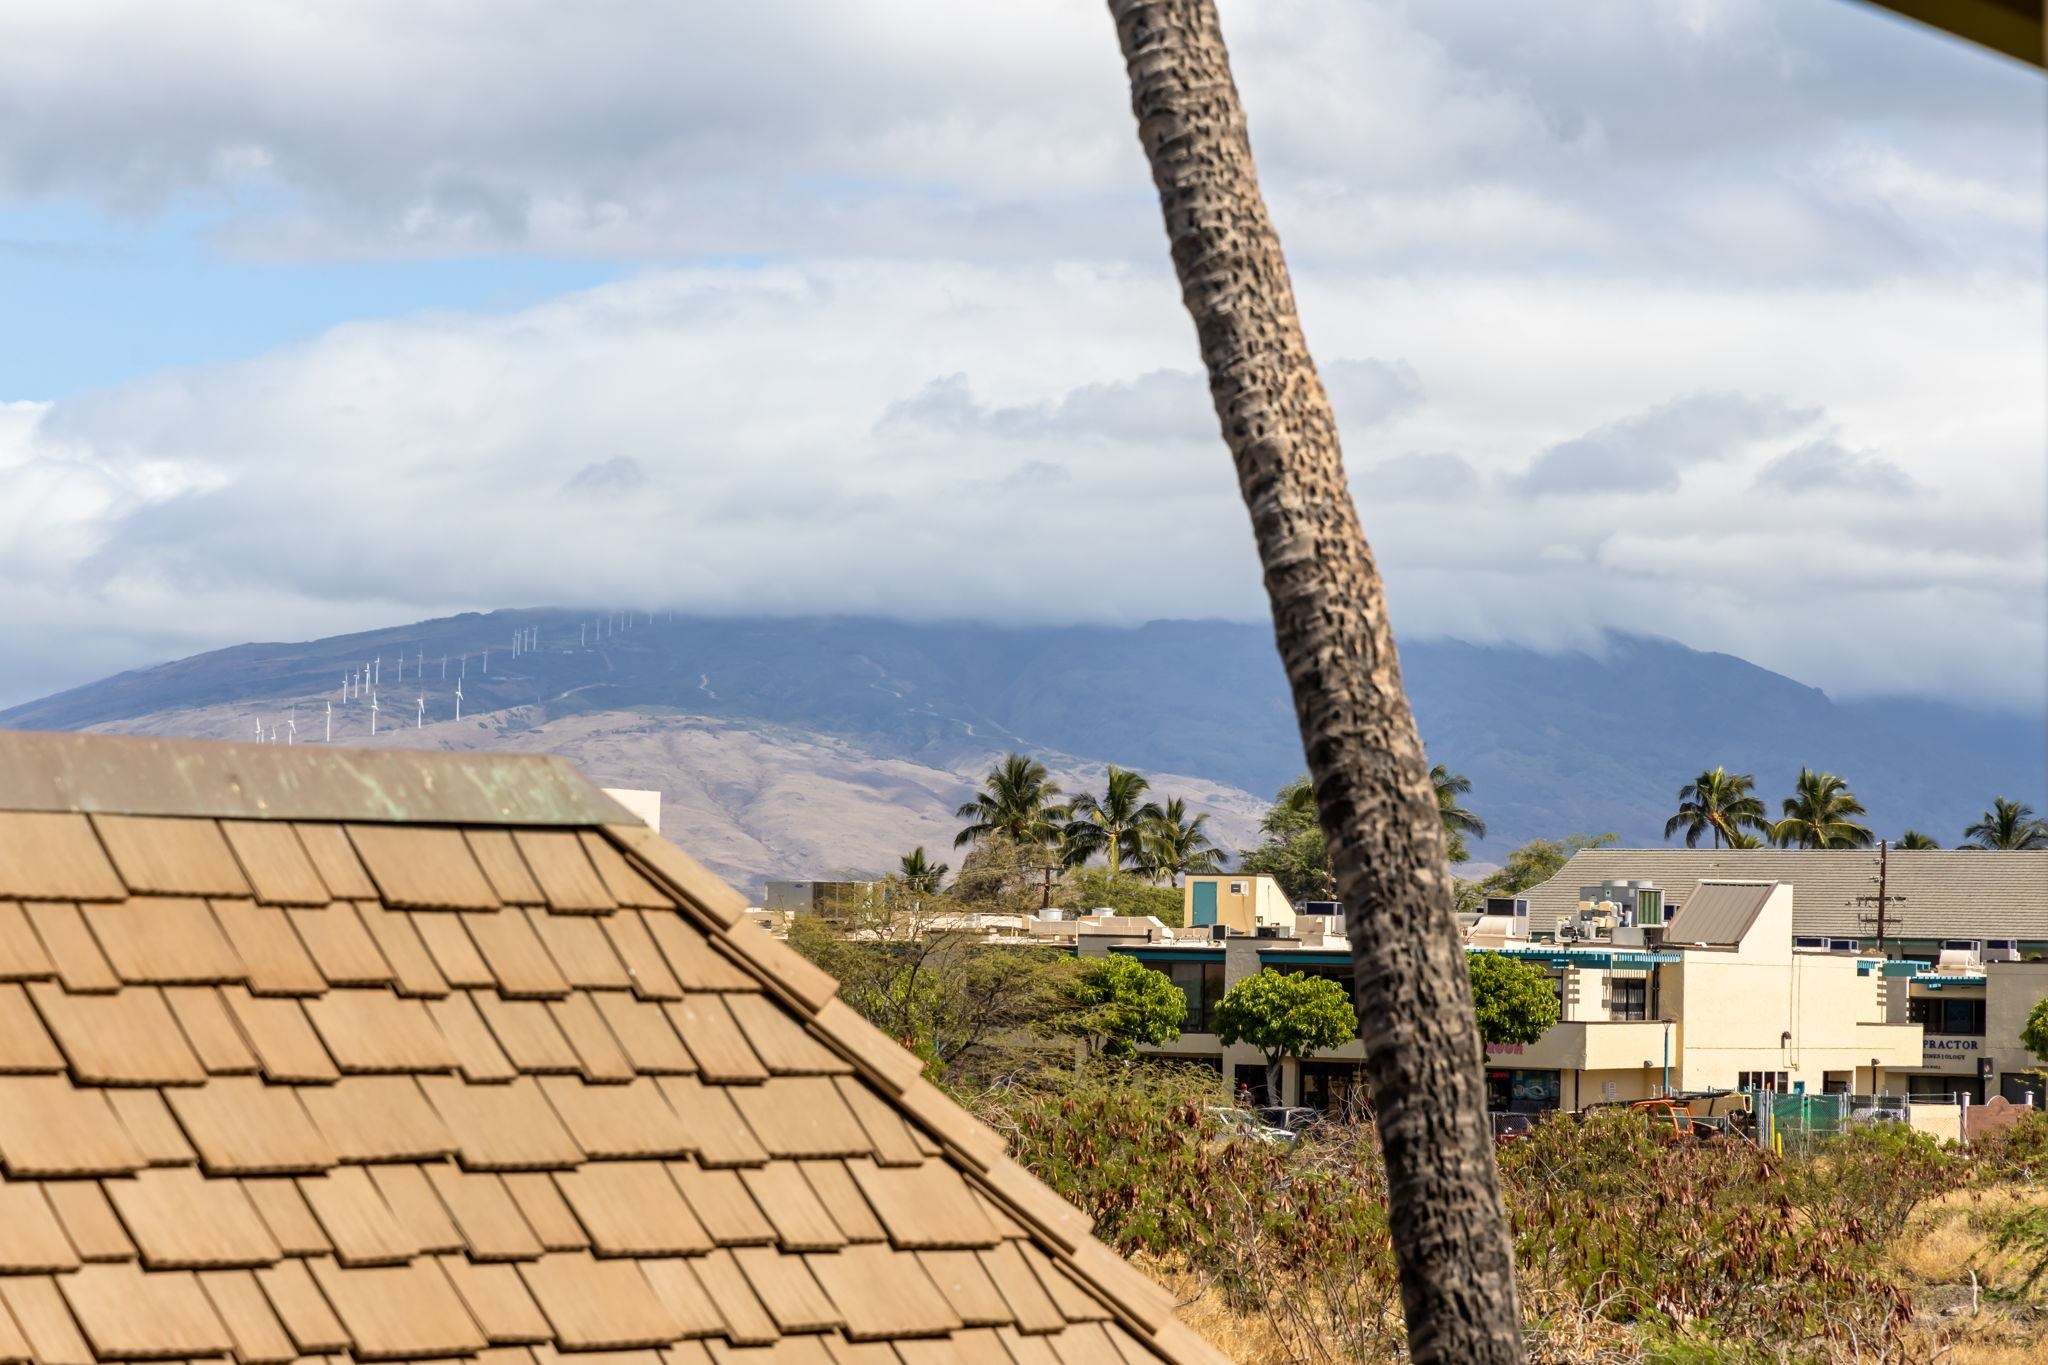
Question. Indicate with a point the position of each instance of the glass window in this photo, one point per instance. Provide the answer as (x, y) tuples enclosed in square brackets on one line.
[(1628, 999), (1761, 1080), (1947, 1017), (1201, 983)]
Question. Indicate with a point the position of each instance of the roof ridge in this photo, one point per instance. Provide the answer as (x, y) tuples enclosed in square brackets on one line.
[(1062, 1230)]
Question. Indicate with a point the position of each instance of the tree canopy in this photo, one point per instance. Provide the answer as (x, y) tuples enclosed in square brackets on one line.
[(1457, 821), (2007, 825), (919, 873), (1514, 1000), (1119, 1003), (1718, 804), (1089, 888), (1111, 823), (1018, 801), (1286, 1014), (1818, 815), (2034, 1033)]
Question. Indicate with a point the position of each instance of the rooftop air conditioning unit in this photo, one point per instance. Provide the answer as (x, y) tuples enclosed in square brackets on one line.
[(1516, 906), (1845, 945), (1960, 945), (1334, 909), (1808, 941), (1267, 931), (2001, 950), (1219, 932)]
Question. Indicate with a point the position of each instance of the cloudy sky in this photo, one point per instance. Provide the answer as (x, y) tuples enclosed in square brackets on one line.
[(1717, 319)]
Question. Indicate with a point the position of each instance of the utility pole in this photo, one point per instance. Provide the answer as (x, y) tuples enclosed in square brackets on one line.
[(1883, 898)]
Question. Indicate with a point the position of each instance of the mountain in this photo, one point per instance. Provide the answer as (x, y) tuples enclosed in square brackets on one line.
[(814, 745)]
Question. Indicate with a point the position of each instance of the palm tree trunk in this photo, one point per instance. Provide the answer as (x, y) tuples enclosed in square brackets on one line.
[(1373, 794)]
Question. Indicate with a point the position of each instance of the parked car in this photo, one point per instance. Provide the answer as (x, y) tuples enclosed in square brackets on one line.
[(1294, 1118), (1247, 1123), (1512, 1127)]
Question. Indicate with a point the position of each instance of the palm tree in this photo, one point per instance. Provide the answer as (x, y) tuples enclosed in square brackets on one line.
[(1742, 838), (2007, 825), (1018, 801), (1718, 803), (1175, 844), (1457, 821), (1913, 838), (1817, 815), (920, 875), (1110, 825), (1384, 835)]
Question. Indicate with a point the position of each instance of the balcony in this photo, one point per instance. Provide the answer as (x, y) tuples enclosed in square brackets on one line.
[(1588, 1045)]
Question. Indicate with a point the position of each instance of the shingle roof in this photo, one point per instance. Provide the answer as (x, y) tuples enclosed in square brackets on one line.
[(1718, 914), (1934, 893), (394, 1056)]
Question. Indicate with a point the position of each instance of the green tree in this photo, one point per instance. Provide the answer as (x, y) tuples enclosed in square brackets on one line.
[(1457, 821), (1817, 815), (2008, 825), (918, 874), (1018, 801), (1110, 824), (1718, 803), (1913, 838), (2034, 1033), (1176, 844), (1538, 861), (1294, 854), (1089, 888), (1285, 1014), (1513, 999), (1119, 1003)]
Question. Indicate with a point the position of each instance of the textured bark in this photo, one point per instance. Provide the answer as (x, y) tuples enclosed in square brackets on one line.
[(1377, 807)]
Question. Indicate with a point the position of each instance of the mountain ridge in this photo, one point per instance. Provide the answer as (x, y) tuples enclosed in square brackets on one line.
[(1553, 742)]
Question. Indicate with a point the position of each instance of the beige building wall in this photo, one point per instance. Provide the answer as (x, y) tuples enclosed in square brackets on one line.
[(1243, 902)]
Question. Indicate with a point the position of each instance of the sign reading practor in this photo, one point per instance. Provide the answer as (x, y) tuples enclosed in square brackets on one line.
[(1936, 1050)]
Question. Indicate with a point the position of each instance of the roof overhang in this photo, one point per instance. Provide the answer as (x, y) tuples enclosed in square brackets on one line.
[(2011, 27)]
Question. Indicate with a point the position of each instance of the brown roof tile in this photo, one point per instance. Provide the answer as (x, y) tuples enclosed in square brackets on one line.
[(631, 1120), (160, 856), (964, 1280), (747, 1321), (412, 966), (340, 946), (260, 1339), (14, 1347), (926, 1206), (55, 857), (780, 1040), (183, 1221), (30, 1238), (411, 1197), (46, 1323), (578, 945), (374, 1030), (519, 963), (357, 1221), (652, 978), (307, 1317), (696, 964), (275, 863), (274, 959), (1027, 1350), (680, 1292), (722, 1204), (716, 1131), (129, 1315), (491, 1225), (528, 1033), (378, 1118), (787, 1290), (882, 1294), (167, 939), (598, 1054), (282, 1037), (452, 949), (502, 1127), (128, 1038), (839, 1192), (498, 1299), (210, 1030), (21, 953), (49, 1128), (595, 1305), (25, 1046), (566, 878), (710, 897), (715, 1039), (546, 1212), (149, 1123), (799, 1219), (625, 882), (334, 858), (643, 1031), (285, 1212), (81, 966), (89, 1220), (632, 1208), (894, 1143), (422, 867), (476, 1051), (503, 867), (1074, 1302), (399, 1312), (801, 1116), (240, 1126)]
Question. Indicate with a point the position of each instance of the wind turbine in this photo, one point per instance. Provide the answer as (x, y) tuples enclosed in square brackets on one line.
[(458, 699), (580, 641), (330, 723), (444, 668), (291, 734), (420, 722), (377, 670), (373, 713), (487, 662)]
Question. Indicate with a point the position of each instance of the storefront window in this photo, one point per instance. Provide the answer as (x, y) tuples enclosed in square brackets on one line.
[(1628, 999), (1201, 983), (1523, 1092), (1942, 1089), (1948, 1018)]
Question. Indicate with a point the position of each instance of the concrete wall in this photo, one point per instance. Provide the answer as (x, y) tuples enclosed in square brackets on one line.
[(1257, 901)]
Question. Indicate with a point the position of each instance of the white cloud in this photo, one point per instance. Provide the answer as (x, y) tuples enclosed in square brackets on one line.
[(1592, 287)]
